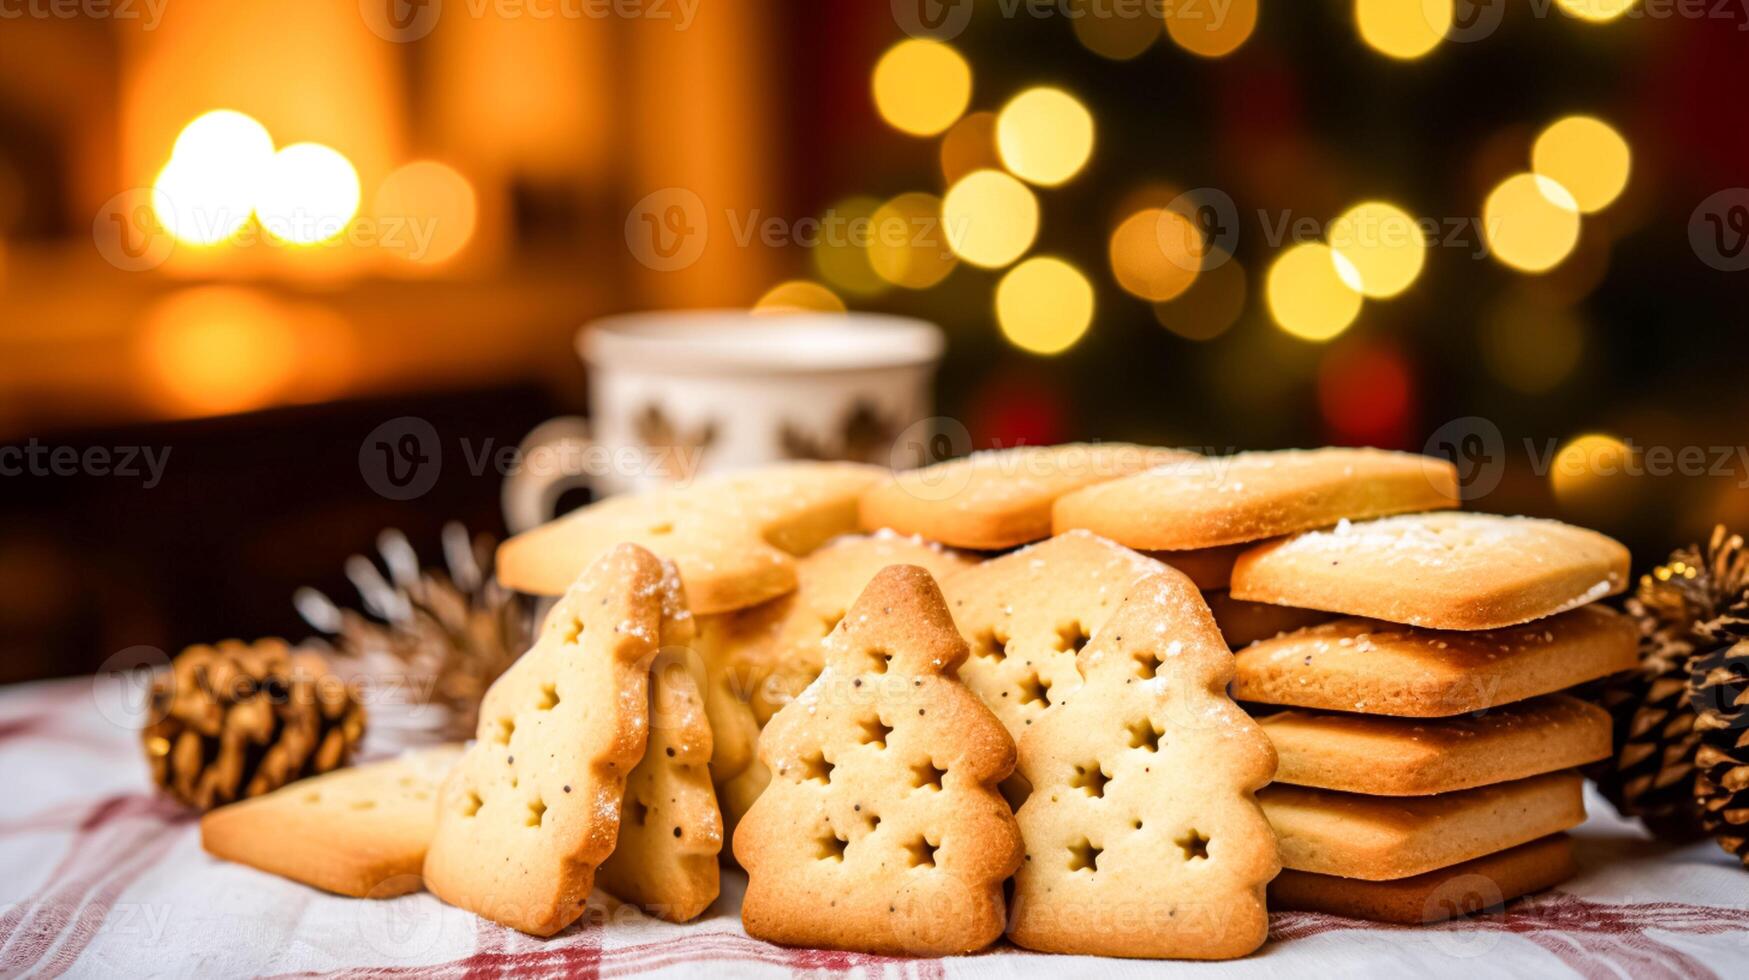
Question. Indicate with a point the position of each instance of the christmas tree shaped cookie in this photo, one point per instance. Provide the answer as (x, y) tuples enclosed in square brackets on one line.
[(882, 830), (1143, 833), (670, 830), (534, 805)]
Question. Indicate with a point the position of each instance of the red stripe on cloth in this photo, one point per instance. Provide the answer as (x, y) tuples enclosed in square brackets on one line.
[(91, 918), (73, 902)]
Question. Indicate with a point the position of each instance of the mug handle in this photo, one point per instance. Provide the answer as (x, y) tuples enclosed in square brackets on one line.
[(531, 492)]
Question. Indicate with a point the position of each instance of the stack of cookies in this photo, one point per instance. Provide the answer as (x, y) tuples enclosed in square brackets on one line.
[(998, 695), (1426, 756)]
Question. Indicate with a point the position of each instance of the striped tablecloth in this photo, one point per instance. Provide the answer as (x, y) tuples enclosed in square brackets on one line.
[(98, 877)]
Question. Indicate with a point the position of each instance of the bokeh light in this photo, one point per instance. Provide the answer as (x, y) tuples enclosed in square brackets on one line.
[(1531, 347), (1589, 476), (906, 246), (308, 194), (1596, 11), (798, 296), (1113, 30), (1531, 222), (1313, 292), (1211, 30), (1044, 305), (921, 86), (425, 212), (841, 254), (1403, 29), (216, 350), (1155, 254), (1366, 394), (1045, 135), (207, 191), (1212, 304), (970, 145), (1385, 244), (990, 218), (1586, 156)]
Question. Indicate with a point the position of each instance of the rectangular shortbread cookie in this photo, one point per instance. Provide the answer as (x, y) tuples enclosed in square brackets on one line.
[(1378, 838), (1443, 571), (1420, 756), (1221, 500), (1477, 885), (1376, 668)]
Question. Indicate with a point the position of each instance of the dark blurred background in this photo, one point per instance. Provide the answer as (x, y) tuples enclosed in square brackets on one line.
[(527, 136)]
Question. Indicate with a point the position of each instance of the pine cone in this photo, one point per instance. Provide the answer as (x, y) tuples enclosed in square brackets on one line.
[(1718, 689), (1651, 774), (238, 719)]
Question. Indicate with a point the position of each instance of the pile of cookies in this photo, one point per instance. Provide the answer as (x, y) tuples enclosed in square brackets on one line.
[(897, 693)]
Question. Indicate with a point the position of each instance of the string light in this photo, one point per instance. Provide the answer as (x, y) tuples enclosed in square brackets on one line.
[(425, 212), (1596, 11), (206, 193), (1313, 292), (308, 195), (1209, 31), (1581, 476), (990, 218), (1212, 304), (1384, 244), (906, 246), (1586, 156), (841, 253), (921, 86), (970, 145), (1044, 305), (798, 296), (1403, 29), (1155, 254), (1531, 222), (1531, 347), (1044, 135)]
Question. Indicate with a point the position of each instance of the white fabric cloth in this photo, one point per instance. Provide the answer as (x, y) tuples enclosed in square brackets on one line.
[(99, 877)]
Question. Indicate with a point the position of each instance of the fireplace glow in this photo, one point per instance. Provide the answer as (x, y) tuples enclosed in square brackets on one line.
[(308, 195)]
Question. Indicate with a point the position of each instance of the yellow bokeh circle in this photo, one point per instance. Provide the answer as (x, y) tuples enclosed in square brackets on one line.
[(799, 296), (1384, 243), (1044, 135), (309, 194), (921, 86), (1586, 156), (1596, 11), (906, 246), (1531, 222), (1211, 30), (989, 218), (1312, 292), (1403, 29), (1044, 305), (1155, 254)]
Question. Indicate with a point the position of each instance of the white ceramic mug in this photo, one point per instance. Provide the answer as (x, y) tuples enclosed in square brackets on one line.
[(683, 393)]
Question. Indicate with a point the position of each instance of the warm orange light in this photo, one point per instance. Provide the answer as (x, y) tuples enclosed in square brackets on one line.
[(1586, 156), (425, 212), (1212, 304), (921, 86), (1044, 305), (215, 350), (1313, 291), (1211, 30), (1045, 135), (841, 250), (1112, 31), (799, 296), (970, 145), (1531, 222), (205, 194), (990, 218), (906, 244), (1155, 254), (308, 194)]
